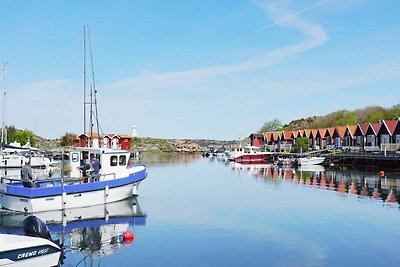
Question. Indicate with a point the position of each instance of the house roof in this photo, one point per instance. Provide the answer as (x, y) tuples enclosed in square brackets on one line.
[(287, 135), (258, 135), (92, 135), (306, 133), (341, 130), (322, 131), (390, 125), (268, 136), (314, 132), (375, 127), (351, 129), (275, 135), (329, 131)]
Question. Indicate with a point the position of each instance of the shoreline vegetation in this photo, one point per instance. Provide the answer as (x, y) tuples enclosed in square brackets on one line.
[(149, 144)]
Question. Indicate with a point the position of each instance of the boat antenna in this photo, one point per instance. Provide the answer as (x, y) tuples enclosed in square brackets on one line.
[(3, 124)]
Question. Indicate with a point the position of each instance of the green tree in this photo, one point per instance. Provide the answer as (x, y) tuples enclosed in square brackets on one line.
[(20, 136), (271, 126), (302, 145), (393, 112)]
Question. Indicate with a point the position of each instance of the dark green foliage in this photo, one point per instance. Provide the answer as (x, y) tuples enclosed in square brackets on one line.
[(302, 145), (341, 117), (21, 136), (271, 126), (393, 112)]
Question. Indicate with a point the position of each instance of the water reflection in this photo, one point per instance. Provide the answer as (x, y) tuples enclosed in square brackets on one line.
[(90, 232), (362, 184), (161, 159)]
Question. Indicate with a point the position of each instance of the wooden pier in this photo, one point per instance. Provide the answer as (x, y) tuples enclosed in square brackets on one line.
[(391, 159)]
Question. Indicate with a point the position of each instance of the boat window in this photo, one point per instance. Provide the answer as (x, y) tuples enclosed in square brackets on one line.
[(122, 160), (113, 161), (98, 157), (75, 157)]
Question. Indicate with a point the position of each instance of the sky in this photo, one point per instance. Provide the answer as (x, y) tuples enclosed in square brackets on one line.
[(196, 69)]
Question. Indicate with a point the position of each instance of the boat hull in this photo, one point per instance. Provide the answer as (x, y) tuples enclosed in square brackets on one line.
[(252, 158), (50, 196), (18, 250)]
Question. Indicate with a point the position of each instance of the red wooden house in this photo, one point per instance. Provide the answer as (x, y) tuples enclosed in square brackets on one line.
[(113, 141), (257, 139)]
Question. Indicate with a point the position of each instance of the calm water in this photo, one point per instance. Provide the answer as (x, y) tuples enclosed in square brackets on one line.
[(195, 211)]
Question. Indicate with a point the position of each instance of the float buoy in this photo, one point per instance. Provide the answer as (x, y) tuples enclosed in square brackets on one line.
[(128, 237), (381, 173)]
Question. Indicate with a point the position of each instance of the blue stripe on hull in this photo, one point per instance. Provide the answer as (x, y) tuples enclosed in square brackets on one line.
[(18, 190)]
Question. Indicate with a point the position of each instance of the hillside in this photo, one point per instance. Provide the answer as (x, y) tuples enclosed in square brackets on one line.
[(345, 117)]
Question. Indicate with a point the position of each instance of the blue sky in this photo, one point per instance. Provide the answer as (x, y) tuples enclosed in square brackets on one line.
[(197, 69)]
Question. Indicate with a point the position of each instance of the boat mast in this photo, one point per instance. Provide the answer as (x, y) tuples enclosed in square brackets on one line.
[(93, 93), (84, 80), (93, 100), (3, 124)]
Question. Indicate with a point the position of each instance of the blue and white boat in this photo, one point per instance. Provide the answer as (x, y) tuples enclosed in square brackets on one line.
[(117, 181), (77, 187)]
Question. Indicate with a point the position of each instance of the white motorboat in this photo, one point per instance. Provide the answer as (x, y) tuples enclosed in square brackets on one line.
[(310, 161), (36, 248)]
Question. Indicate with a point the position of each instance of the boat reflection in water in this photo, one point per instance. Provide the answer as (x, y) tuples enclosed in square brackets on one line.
[(362, 184), (92, 232)]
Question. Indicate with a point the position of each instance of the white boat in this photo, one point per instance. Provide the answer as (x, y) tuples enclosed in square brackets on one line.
[(18, 250), (35, 248), (78, 186), (96, 230), (14, 155), (310, 161)]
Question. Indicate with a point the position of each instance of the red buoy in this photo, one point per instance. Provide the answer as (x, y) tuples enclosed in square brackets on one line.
[(128, 237), (381, 173)]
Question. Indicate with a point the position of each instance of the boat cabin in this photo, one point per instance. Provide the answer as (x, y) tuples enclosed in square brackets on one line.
[(112, 162)]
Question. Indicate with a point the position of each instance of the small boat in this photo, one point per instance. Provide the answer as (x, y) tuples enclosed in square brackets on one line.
[(310, 161), (251, 155), (284, 162), (35, 248), (96, 230)]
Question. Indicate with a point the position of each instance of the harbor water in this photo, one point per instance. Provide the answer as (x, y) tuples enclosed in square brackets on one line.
[(195, 211)]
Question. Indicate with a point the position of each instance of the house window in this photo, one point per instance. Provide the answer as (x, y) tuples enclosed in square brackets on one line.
[(122, 160), (113, 161)]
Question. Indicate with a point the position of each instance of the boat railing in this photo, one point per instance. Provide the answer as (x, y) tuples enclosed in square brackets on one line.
[(12, 180)]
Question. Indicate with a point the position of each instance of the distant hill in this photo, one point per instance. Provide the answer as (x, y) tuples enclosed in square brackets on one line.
[(345, 117)]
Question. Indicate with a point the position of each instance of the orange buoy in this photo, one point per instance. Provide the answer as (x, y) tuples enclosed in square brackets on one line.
[(128, 237)]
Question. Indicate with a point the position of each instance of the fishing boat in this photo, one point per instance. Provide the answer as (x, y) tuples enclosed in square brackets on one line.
[(92, 175), (35, 248), (251, 155)]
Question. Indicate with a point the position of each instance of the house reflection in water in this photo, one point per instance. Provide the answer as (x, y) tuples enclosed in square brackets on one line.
[(361, 184)]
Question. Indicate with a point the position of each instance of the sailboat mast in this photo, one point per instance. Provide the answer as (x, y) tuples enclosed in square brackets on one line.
[(93, 99), (84, 80), (3, 124)]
